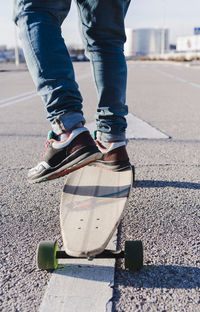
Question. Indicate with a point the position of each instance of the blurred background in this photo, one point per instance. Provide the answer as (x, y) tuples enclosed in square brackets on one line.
[(156, 29)]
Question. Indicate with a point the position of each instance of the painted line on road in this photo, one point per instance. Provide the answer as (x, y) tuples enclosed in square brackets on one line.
[(191, 83), (137, 129), (29, 95), (194, 84), (18, 98)]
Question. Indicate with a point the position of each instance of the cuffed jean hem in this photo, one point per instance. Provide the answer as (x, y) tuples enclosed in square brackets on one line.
[(110, 137), (67, 122)]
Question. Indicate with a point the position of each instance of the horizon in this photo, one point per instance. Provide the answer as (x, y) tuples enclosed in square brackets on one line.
[(180, 18)]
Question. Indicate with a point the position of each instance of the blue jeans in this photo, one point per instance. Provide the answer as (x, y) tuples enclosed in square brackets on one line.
[(48, 60)]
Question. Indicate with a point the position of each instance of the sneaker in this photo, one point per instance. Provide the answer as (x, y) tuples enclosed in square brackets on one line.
[(114, 155), (62, 157)]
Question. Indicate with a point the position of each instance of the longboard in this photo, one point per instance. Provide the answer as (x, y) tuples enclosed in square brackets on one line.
[(92, 203)]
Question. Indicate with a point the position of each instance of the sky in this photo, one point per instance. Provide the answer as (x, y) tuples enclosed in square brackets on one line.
[(180, 16)]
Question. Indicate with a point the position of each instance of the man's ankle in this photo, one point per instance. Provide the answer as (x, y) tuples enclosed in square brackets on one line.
[(118, 154), (65, 134)]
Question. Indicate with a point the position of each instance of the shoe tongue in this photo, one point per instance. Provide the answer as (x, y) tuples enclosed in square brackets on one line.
[(50, 135)]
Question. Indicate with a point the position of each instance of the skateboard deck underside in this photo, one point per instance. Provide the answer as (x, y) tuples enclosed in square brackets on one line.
[(92, 204)]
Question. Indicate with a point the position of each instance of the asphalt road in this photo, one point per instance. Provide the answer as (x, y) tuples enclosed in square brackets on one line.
[(163, 210)]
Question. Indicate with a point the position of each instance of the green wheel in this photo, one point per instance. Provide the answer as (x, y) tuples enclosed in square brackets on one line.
[(133, 255), (46, 255), (133, 173)]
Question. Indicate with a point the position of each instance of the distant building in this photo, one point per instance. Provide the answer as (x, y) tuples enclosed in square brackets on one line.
[(147, 41), (8, 55), (188, 44), (3, 48)]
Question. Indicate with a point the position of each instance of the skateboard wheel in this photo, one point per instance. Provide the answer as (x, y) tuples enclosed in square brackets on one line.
[(46, 255), (133, 173), (133, 255)]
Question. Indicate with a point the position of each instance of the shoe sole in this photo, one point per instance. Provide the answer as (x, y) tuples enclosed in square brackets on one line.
[(69, 167), (114, 165)]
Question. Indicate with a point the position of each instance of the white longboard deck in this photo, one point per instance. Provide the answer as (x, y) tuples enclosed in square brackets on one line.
[(92, 204)]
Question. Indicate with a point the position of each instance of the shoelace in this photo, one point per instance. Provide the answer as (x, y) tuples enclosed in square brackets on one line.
[(45, 148)]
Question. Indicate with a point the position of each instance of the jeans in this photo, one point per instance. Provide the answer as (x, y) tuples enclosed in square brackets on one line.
[(49, 63)]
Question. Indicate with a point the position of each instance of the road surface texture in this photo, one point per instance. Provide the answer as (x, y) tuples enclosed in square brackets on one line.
[(163, 210)]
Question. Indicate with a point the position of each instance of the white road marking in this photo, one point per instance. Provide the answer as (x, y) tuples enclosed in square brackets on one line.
[(137, 129), (140, 129), (191, 83), (29, 95), (194, 84), (180, 79), (81, 286), (16, 99)]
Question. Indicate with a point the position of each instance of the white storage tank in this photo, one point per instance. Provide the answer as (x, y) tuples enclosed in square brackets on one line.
[(149, 41), (129, 45), (146, 41)]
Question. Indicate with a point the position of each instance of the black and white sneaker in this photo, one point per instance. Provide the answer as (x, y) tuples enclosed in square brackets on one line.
[(62, 157)]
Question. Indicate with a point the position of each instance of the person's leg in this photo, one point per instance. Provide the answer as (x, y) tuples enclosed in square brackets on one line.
[(48, 59), (51, 69), (104, 35)]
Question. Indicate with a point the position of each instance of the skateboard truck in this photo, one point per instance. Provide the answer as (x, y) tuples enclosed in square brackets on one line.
[(48, 255), (106, 254)]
